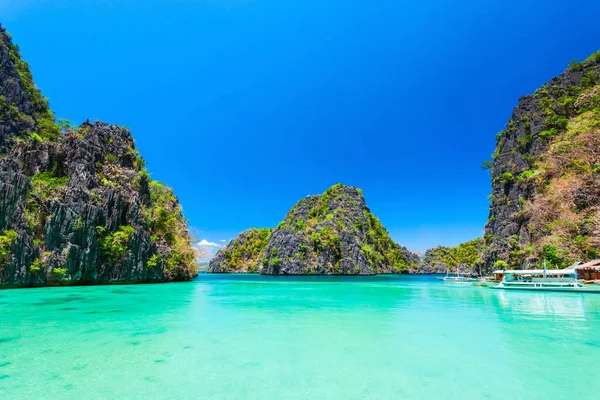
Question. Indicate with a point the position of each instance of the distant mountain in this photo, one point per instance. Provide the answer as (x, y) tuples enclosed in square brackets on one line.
[(330, 234), (464, 258)]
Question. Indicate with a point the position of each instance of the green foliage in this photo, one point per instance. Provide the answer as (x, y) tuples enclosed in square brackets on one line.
[(558, 122), (153, 261), (321, 208), (246, 251), (589, 79), (315, 240), (525, 175), (113, 245), (42, 115), (79, 223), (487, 165), (497, 151), (516, 253), (557, 258), (575, 65), (380, 250), (60, 272), (47, 186), (595, 57), (37, 138), (35, 266), (500, 264), (160, 194), (468, 253), (166, 222), (506, 178), (282, 225), (300, 226), (65, 125), (7, 240), (526, 140), (139, 163)]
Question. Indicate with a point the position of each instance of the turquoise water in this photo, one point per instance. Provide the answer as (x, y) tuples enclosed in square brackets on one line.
[(252, 337)]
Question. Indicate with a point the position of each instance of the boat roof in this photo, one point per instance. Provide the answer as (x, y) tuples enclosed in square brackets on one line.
[(569, 270), (535, 271)]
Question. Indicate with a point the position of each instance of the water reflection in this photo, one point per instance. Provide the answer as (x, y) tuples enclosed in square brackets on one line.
[(543, 305)]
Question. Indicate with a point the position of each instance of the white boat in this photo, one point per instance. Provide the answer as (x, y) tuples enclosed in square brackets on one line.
[(457, 278), (553, 280)]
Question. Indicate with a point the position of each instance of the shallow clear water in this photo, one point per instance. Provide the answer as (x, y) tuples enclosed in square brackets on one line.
[(252, 337)]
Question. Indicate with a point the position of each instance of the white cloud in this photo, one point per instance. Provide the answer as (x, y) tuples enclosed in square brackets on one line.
[(223, 241), (205, 242)]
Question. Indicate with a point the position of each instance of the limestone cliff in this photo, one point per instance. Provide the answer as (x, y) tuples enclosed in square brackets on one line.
[(332, 233), (546, 175), (77, 205)]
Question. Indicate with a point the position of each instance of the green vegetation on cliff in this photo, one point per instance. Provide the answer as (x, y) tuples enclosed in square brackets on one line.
[(441, 259), (42, 115), (244, 255)]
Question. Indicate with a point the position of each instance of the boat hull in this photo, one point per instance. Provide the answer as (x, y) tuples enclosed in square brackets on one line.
[(461, 280), (563, 289)]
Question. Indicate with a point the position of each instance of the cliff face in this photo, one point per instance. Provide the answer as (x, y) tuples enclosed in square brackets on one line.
[(78, 207), (546, 175), (332, 233)]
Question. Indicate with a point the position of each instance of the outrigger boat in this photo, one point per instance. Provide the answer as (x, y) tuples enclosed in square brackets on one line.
[(570, 279), (457, 278)]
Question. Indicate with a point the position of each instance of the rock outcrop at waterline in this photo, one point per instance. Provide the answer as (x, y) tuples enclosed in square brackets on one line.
[(330, 234), (77, 205), (545, 201)]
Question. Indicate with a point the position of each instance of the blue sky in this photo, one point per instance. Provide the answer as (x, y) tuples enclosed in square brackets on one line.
[(244, 107)]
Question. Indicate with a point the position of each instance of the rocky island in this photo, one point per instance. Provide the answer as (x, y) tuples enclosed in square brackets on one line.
[(78, 206), (334, 233)]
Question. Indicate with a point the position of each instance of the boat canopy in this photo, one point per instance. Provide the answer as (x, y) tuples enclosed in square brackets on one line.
[(594, 264), (536, 272)]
